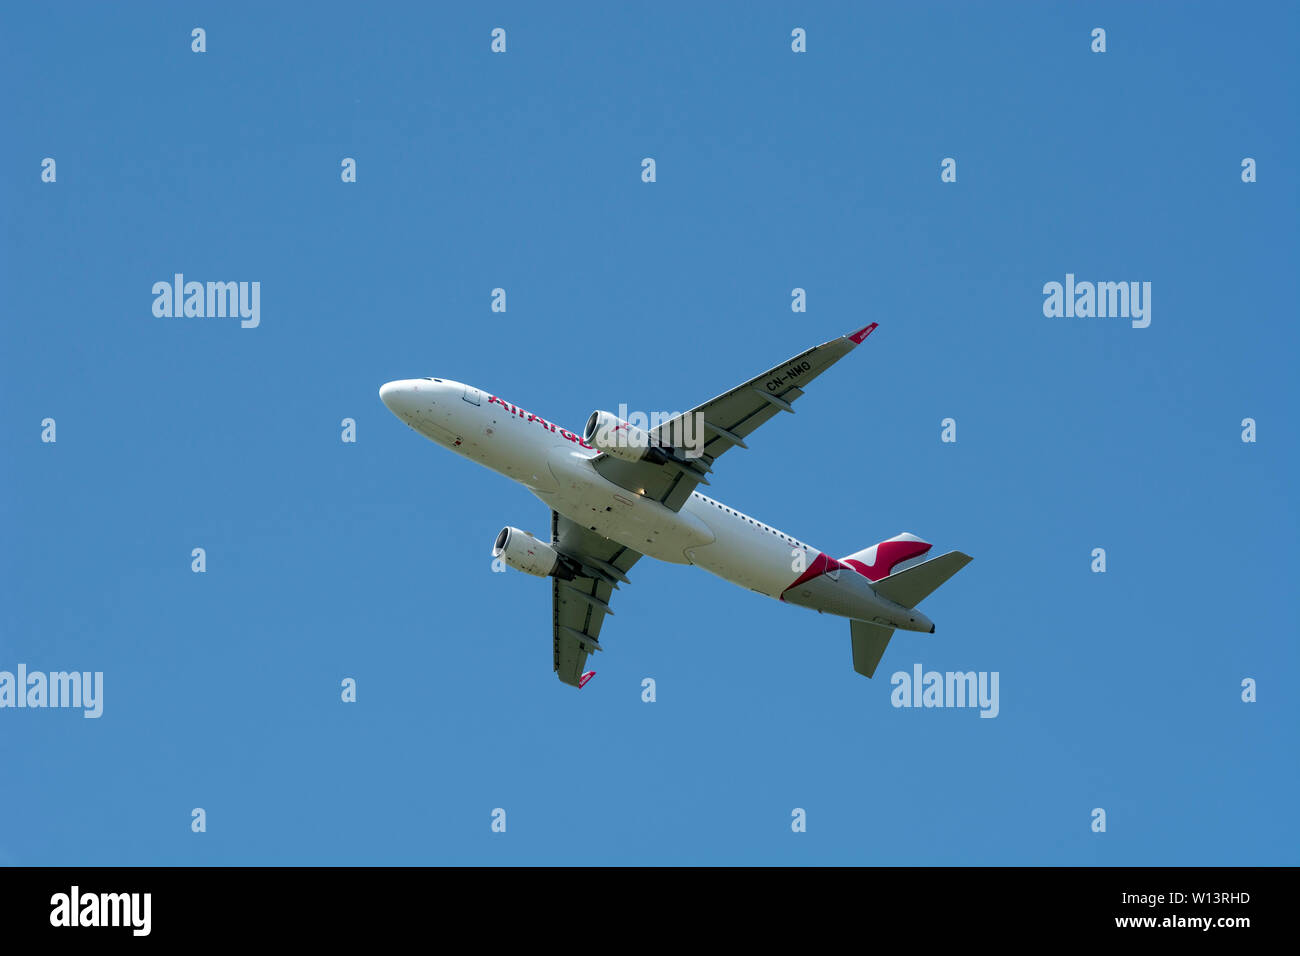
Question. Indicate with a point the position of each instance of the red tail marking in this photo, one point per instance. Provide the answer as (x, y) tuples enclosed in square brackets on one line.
[(582, 681), (888, 555)]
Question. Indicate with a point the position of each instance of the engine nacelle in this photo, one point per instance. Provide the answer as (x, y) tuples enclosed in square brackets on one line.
[(609, 433), (525, 553)]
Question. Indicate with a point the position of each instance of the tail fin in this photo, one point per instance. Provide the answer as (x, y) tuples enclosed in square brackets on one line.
[(912, 586), (909, 586), (869, 643), (883, 559)]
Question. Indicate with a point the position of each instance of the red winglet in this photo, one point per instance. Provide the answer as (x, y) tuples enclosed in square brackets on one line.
[(857, 337), (582, 681)]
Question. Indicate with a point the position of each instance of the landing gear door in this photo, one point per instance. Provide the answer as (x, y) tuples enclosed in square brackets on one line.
[(472, 395)]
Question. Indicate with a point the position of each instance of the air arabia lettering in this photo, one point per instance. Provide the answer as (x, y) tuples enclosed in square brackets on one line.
[(530, 417)]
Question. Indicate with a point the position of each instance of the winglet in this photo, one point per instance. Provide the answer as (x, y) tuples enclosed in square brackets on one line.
[(582, 681), (857, 337)]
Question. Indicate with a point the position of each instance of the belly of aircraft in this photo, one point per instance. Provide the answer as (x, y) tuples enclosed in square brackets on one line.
[(630, 519), (622, 518)]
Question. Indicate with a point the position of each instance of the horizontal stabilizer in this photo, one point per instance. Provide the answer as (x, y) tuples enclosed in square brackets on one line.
[(909, 588), (869, 643)]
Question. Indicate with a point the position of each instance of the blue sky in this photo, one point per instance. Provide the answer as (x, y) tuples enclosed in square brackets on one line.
[(775, 170)]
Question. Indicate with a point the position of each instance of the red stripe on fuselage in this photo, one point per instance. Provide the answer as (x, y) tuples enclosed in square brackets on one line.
[(821, 564)]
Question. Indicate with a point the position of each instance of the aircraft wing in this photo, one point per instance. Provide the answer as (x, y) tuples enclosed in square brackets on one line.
[(727, 421), (580, 605)]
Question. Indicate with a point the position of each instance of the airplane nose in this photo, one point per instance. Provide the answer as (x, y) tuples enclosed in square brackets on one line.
[(389, 393), (402, 397), (410, 398)]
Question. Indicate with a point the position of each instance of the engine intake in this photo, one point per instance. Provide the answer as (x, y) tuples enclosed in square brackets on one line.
[(608, 433), (523, 552)]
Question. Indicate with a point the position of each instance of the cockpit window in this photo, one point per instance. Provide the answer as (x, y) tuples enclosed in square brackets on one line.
[(426, 379)]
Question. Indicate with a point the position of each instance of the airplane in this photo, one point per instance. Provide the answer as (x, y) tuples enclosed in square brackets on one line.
[(618, 492)]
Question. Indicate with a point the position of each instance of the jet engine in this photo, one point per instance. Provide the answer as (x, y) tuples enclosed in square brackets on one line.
[(525, 553), (610, 434)]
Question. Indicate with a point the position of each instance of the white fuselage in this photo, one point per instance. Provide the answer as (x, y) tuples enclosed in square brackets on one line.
[(556, 465)]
